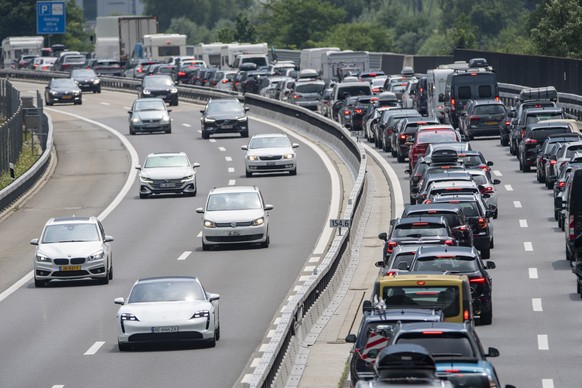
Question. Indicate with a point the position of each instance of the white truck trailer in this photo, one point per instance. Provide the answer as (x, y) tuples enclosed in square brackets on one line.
[(337, 64), (230, 52), (164, 46), (117, 36), (209, 53), (311, 57), (15, 46)]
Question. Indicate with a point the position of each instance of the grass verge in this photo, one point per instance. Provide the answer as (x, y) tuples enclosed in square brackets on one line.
[(29, 154)]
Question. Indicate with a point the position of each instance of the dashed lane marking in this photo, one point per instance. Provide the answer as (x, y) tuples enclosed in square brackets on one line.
[(523, 223), (543, 342), (528, 246), (517, 204), (533, 273), (95, 348), (537, 304), (508, 188), (184, 255)]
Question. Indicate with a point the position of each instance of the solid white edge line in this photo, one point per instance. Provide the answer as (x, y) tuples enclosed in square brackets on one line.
[(334, 207), (116, 201), (543, 342), (184, 255), (95, 348), (537, 304)]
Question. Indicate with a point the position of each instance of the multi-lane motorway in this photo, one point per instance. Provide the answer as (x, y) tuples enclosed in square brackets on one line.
[(64, 335)]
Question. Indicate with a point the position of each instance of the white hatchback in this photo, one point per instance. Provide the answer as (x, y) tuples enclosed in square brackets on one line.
[(270, 153), (235, 215)]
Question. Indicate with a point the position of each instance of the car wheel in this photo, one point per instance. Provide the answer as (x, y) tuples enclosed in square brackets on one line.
[(245, 133), (486, 253), (266, 243), (169, 130), (49, 103), (569, 258), (492, 244), (123, 347), (104, 280), (111, 272), (39, 283), (495, 214), (400, 158), (205, 134), (293, 172), (217, 333), (248, 174), (99, 91), (526, 168), (512, 149), (212, 341), (205, 247), (548, 184), (143, 196), (394, 153), (131, 131), (487, 316)]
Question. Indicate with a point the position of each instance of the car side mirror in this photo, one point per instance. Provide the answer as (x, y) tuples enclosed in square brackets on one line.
[(490, 163), (492, 352), (294, 145), (244, 148), (120, 301), (383, 236), (200, 210), (34, 241), (130, 111), (202, 111), (195, 165), (489, 213), (407, 171), (496, 181), (490, 265), (379, 264), (351, 338), (169, 111), (268, 207), (366, 306), (138, 167)]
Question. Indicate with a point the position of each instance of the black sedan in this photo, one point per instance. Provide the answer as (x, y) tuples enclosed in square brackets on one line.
[(160, 86), (87, 80), (226, 115), (63, 90)]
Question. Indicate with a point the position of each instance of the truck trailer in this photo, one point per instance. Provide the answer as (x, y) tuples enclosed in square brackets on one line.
[(117, 36), (15, 46), (164, 46)]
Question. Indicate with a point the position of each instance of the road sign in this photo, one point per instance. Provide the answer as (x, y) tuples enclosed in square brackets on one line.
[(339, 223), (50, 17)]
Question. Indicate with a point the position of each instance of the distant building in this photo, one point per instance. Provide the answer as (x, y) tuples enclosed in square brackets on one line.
[(93, 8)]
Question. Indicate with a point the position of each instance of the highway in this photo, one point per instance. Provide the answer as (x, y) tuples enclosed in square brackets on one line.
[(65, 334)]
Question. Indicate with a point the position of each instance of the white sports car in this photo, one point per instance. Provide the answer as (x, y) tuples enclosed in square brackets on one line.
[(168, 309)]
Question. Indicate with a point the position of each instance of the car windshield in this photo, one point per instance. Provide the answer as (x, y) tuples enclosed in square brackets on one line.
[(269, 142), (83, 73), (174, 290), (436, 136), (444, 262), (157, 81), (438, 297), (441, 345), (309, 88), (163, 161), (150, 104), (534, 118), (404, 257), (233, 201), (70, 233), (64, 83), (485, 110), (419, 229), (471, 160), (224, 107)]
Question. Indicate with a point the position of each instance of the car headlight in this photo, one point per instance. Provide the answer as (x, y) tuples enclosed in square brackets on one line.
[(96, 256), (289, 156), (43, 259), (242, 119), (52, 93), (135, 119), (209, 224), (173, 91), (258, 221), (252, 157), (96, 82), (188, 178), (209, 120), (146, 92), (201, 314), (145, 179), (128, 317), (76, 92), (165, 117)]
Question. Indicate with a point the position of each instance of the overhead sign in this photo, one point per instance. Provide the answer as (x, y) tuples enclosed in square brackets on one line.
[(50, 17)]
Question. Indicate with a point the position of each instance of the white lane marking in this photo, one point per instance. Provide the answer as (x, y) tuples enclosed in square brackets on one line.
[(523, 223), (199, 234), (185, 255), (533, 273), (543, 342), (186, 125), (508, 188), (27, 278), (228, 158), (528, 246), (255, 362), (105, 103), (232, 182), (547, 383), (497, 173), (308, 268), (537, 304), (57, 386), (247, 378), (517, 204), (231, 169), (93, 349), (221, 149), (212, 140), (126, 108)]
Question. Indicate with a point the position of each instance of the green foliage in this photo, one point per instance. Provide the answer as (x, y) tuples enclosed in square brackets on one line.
[(76, 37), (463, 34), (436, 44), (360, 37), (194, 32), (558, 28), (18, 18)]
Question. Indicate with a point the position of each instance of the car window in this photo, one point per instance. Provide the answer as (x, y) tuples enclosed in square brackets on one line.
[(70, 232), (541, 134), (83, 73), (445, 262), (464, 92), (417, 230), (269, 142), (149, 105), (157, 81), (166, 291), (233, 201), (445, 344), (163, 161), (489, 110), (224, 107), (63, 83), (309, 88), (441, 297), (485, 91)]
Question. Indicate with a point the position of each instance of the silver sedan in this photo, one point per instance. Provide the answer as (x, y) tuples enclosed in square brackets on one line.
[(270, 153)]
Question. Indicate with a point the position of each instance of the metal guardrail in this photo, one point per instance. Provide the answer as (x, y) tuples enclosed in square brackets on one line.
[(301, 310)]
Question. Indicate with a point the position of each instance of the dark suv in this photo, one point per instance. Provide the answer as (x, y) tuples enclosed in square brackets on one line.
[(375, 331), (460, 260), (530, 116), (224, 116), (161, 86), (455, 347), (535, 134), (482, 118), (404, 135)]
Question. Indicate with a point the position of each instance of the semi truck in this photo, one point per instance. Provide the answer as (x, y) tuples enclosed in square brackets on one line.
[(13, 47), (116, 37)]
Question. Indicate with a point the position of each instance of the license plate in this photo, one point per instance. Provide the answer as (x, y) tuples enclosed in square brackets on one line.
[(233, 233), (271, 163), (70, 268), (166, 185), (67, 97), (490, 122), (151, 125), (165, 329), (227, 127)]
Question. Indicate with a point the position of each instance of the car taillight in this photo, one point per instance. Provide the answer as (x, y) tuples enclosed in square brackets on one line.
[(390, 273), (449, 242), (432, 332), (403, 137), (484, 167), (508, 122), (475, 118), (522, 133), (452, 104), (479, 280), (139, 70), (376, 90), (346, 112), (561, 184), (571, 228), (466, 315), (390, 246), (296, 96), (181, 74), (452, 370), (487, 190), (552, 162), (358, 110), (531, 141), (482, 223)]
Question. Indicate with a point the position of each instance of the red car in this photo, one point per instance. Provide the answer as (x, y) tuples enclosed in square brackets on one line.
[(428, 134)]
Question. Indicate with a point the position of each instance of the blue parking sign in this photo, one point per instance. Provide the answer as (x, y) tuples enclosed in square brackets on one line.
[(50, 17)]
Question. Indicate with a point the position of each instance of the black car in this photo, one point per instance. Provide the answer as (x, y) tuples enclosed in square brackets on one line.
[(549, 147), (224, 116), (534, 135), (375, 331), (452, 212), (417, 230), (63, 90), (160, 86), (482, 118), (387, 125), (460, 260), (403, 136), (87, 79), (363, 104), (530, 115)]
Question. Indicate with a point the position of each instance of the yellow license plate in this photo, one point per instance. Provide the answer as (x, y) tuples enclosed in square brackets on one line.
[(491, 123), (67, 97), (70, 267)]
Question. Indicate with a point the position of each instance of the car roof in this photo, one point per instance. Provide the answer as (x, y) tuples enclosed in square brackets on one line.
[(425, 207), (59, 220), (436, 127), (403, 279), (234, 189), (453, 184), (166, 278), (261, 135), (440, 326), (414, 219), (445, 249), (487, 102), (395, 314), (222, 100)]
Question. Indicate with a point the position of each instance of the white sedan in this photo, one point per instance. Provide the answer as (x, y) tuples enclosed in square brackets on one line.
[(168, 309), (270, 153)]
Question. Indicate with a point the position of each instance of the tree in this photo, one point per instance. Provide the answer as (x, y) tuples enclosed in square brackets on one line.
[(76, 36), (195, 33), (360, 37), (463, 34), (558, 29)]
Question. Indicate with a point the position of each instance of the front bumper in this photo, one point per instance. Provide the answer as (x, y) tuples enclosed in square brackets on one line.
[(280, 165), (52, 271), (60, 98), (167, 186), (234, 235), (218, 127), (196, 329), (151, 127)]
